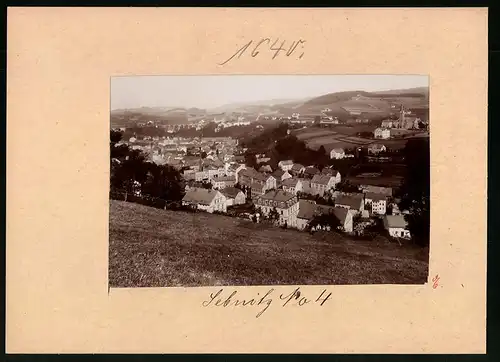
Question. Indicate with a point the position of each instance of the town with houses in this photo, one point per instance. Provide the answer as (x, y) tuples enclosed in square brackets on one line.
[(218, 179), (270, 180)]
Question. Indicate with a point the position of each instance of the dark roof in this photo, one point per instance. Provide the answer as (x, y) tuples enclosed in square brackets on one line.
[(395, 221), (230, 192), (306, 209), (353, 201), (321, 179), (290, 182), (329, 171), (256, 186), (375, 196), (378, 189), (311, 170), (341, 213), (233, 166), (265, 168), (278, 173), (297, 167), (200, 196)]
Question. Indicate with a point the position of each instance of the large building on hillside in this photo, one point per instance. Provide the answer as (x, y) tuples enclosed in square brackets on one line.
[(249, 177), (205, 199), (286, 204)]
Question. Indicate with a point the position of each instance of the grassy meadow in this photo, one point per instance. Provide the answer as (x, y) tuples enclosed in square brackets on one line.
[(151, 247)]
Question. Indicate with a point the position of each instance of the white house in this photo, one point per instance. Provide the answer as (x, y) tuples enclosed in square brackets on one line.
[(285, 203), (234, 169), (383, 133), (221, 182), (281, 175), (322, 184), (233, 196), (397, 226), (346, 219), (201, 175), (376, 203), (308, 209), (292, 185), (337, 153), (387, 123), (332, 172), (285, 165), (205, 199), (376, 148), (354, 202)]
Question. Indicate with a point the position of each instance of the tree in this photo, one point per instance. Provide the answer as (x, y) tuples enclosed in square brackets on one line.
[(325, 219), (273, 215), (322, 150), (346, 186), (115, 137), (251, 160), (203, 154), (415, 191)]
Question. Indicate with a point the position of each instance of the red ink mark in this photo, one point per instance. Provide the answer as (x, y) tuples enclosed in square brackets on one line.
[(435, 280)]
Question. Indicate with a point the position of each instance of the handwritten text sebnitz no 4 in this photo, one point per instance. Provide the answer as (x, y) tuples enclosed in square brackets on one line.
[(266, 45)]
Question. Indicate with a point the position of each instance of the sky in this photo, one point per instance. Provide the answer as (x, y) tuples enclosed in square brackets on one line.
[(217, 90)]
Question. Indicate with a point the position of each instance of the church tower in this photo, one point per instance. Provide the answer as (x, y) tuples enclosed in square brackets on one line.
[(401, 117)]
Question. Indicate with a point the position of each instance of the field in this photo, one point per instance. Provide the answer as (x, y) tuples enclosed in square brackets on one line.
[(344, 136), (157, 248), (340, 136)]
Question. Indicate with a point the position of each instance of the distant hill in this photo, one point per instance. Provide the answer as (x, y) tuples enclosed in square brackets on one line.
[(380, 103)]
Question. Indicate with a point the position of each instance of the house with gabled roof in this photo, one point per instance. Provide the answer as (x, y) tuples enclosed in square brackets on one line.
[(221, 182), (322, 184), (292, 185), (376, 148), (285, 165), (354, 202), (249, 176), (285, 203), (383, 133), (281, 175), (397, 226), (387, 191), (308, 209), (337, 153), (332, 172), (233, 196), (265, 168), (205, 199), (297, 169), (310, 171)]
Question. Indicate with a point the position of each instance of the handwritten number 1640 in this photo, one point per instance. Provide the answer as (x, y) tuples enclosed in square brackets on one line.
[(275, 47)]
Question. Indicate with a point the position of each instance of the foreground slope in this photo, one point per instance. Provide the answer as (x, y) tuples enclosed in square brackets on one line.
[(157, 248)]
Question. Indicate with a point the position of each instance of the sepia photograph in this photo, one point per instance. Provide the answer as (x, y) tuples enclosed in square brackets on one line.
[(247, 180)]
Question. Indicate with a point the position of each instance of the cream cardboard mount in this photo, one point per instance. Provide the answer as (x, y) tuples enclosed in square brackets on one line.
[(60, 62)]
